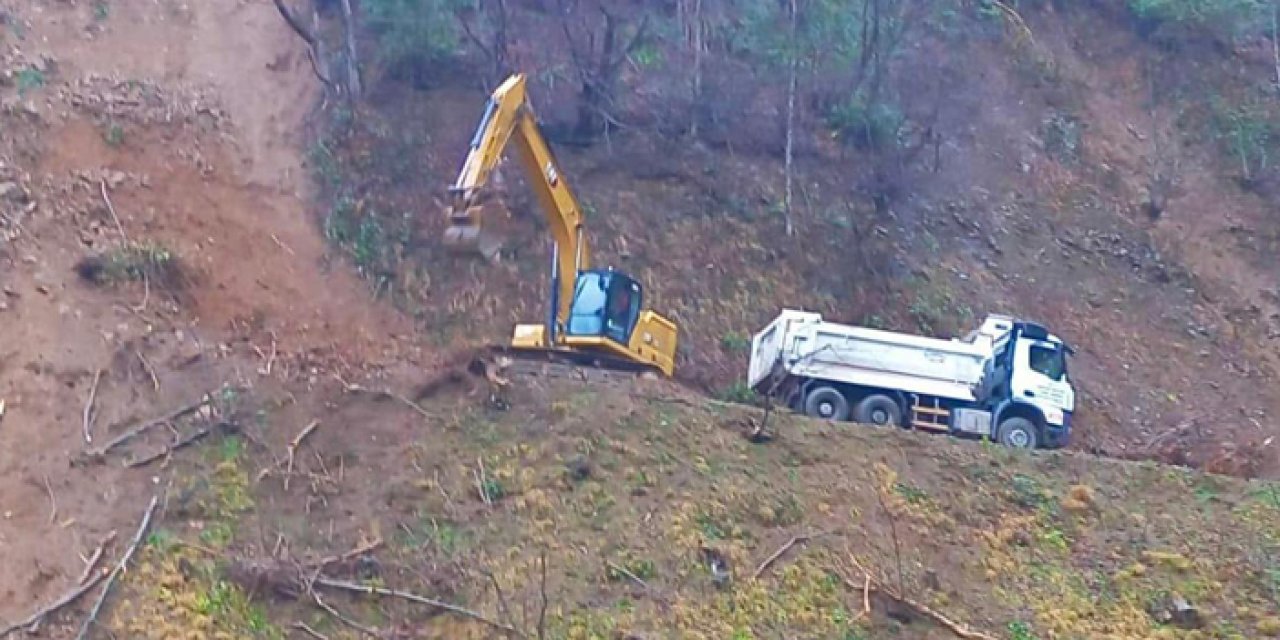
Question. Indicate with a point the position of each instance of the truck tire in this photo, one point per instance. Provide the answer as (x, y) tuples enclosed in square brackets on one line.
[(1019, 433), (826, 403), (878, 410)]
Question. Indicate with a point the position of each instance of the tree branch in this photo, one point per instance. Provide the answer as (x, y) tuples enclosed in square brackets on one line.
[(119, 568), (412, 597), (313, 43)]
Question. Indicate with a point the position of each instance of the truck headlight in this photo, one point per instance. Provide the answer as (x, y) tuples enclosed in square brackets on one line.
[(1053, 416)]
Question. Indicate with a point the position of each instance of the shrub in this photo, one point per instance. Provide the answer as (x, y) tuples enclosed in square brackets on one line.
[(864, 125), (412, 34)]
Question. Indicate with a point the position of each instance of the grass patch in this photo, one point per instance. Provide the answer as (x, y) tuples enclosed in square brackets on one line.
[(28, 79), (113, 134), (135, 261)]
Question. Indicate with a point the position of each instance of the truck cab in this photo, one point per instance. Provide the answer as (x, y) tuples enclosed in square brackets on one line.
[(1027, 378)]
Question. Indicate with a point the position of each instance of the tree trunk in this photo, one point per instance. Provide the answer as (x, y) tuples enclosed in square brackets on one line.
[(353, 63), (697, 68), (1275, 39), (321, 57), (791, 120)]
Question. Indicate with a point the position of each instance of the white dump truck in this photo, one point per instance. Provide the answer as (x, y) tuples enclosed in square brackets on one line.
[(1006, 381)]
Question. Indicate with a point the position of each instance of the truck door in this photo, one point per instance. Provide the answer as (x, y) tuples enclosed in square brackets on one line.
[(1040, 378)]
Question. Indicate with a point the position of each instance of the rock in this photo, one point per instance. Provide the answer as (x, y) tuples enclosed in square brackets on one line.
[(1183, 614), (13, 192), (115, 178), (579, 469), (1178, 612)]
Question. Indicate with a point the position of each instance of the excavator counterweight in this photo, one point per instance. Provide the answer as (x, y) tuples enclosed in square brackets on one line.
[(595, 315)]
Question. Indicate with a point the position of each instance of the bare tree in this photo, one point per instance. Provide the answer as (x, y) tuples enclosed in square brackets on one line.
[(486, 27), (353, 63), (315, 46), (599, 60), (694, 28), (794, 68)]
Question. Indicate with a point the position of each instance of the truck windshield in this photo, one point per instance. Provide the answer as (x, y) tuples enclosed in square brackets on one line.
[(1049, 361)]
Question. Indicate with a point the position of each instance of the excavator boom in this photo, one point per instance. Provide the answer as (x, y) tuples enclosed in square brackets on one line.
[(593, 312), (509, 118)]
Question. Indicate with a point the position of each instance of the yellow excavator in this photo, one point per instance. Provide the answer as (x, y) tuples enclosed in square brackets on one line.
[(596, 316)]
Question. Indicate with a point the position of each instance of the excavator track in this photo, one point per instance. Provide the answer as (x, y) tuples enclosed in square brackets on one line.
[(564, 362)]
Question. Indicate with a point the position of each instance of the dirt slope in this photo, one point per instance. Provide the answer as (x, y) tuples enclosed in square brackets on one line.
[(199, 157)]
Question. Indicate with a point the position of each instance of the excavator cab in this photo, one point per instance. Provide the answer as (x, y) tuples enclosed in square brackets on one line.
[(606, 304)]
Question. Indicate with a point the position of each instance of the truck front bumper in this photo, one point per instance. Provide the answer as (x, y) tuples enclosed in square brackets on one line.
[(1057, 436)]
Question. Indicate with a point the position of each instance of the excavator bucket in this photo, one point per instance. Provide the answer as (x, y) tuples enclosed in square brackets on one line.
[(464, 235)]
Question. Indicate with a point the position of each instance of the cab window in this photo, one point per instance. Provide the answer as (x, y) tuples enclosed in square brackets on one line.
[(1048, 361)]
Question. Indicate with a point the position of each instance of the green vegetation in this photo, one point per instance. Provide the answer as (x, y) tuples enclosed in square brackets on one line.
[(113, 135), (867, 126), (735, 342), (1062, 136), (413, 32), (138, 261), (1246, 132), (29, 78), (1228, 17)]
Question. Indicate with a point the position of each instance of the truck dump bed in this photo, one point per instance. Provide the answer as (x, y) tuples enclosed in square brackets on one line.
[(802, 344)]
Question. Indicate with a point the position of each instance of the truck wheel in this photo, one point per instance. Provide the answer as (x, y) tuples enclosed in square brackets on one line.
[(826, 403), (878, 410), (1019, 433)]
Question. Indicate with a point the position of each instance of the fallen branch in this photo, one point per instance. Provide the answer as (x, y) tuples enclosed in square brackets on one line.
[(146, 294), (341, 618), (866, 596), (120, 566), (189, 440), (412, 597), (87, 422), (102, 184), (355, 388), (309, 631), (53, 502), (623, 570), (358, 551), (956, 628), (70, 597), (480, 481), (293, 449), (146, 366), (783, 549), (1016, 19), (542, 594), (91, 564), (149, 424)]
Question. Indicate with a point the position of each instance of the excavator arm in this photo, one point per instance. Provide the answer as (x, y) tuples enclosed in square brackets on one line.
[(509, 118), (595, 314)]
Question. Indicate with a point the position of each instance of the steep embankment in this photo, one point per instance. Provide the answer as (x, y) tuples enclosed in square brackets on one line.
[(159, 141)]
